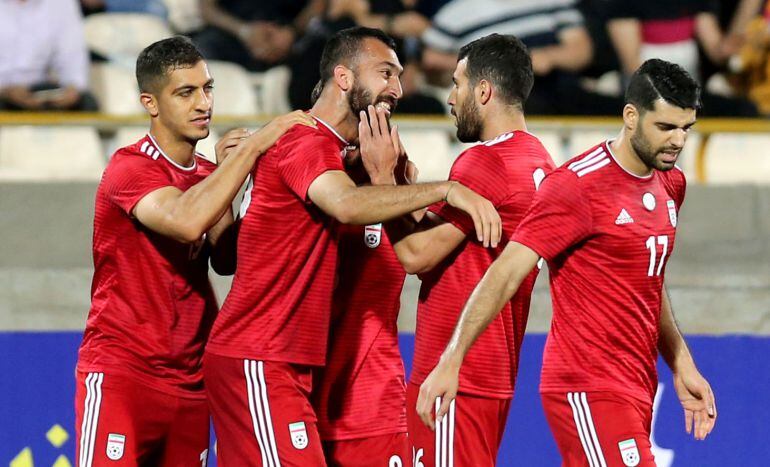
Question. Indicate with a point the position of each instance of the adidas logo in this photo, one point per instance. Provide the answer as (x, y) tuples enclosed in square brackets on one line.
[(624, 218)]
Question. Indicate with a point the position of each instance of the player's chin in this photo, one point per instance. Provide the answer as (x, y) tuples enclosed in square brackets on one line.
[(198, 132)]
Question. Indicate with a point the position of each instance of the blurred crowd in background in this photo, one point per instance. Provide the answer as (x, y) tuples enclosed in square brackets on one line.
[(582, 50)]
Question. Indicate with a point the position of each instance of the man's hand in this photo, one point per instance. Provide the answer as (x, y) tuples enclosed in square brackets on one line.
[(280, 39), (276, 128), (228, 142), (489, 226), (379, 152), (697, 398), (441, 382), (22, 97), (66, 99)]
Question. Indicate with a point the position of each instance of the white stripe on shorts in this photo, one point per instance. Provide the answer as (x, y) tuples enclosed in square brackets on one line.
[(586, 430), (445, 452), (90, 423), (259, 408)]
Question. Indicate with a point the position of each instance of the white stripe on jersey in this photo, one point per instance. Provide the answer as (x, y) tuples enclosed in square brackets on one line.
[(593, 156), (596, 166)]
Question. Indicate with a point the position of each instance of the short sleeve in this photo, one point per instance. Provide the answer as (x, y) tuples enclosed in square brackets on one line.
[(129, 178), (305, 159), (483, 171), (559, 217)]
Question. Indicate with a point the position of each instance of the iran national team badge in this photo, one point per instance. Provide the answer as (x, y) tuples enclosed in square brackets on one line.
[(372, 235), (671, 212), (115, 445), (298, 435), (648, 199), (629, 452)]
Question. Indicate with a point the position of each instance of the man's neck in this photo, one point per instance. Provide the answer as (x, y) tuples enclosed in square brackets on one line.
[(335, 112), (502, 122), (179, 150), (627, 157)]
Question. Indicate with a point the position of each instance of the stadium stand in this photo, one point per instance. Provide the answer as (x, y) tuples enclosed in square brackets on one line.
[(737, 158), (121, 36), (114, 86), (50, 153)]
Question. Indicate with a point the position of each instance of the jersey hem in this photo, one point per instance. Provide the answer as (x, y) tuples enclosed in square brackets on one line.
[(146, 380), (354, 435), (292, 359)]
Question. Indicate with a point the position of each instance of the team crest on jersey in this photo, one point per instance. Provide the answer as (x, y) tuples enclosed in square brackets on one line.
[(671, 212), (373, 235), (115, 445), (298, 435), (629, 452)]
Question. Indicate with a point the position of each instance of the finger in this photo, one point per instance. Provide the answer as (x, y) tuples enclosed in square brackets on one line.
[(374, 122), (425, 408), (478, 224), (486, 224), (688, 421), (498, 231), (698, 417), (365, 130), (382, 118), (394, 139), (712, 403), (443, 408)]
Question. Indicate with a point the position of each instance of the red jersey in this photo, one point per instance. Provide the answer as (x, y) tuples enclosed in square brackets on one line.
[(361, 391), (506, 171), (152, 305), (606, 235), (279, 304)]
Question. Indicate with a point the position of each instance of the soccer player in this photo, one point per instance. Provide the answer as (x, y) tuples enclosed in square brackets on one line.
[(273, 327), (605, 222), (359, 395), (160, 208), (492, 81)]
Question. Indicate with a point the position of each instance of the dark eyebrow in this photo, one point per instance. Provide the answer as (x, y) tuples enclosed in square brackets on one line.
[(190, 87), (393, 65)]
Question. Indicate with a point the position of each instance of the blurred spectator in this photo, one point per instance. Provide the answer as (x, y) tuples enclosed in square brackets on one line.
[(398, 18), (152, 7), (553, 30), (660, 29), (751, 65), (257, 34), (44, 60)]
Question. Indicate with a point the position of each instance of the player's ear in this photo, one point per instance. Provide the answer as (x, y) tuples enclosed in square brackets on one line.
[(483, 91), (631, 117), (150, 103), (343, 76)]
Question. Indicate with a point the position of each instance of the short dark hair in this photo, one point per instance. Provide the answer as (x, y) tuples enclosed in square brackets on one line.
[(659, 79), (504, 61), (343, 47), (159, 59)]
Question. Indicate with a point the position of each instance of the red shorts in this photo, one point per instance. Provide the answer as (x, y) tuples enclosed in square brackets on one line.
[(120, 421), (391, 450), (262, 413), (600, 429), (469, 434)]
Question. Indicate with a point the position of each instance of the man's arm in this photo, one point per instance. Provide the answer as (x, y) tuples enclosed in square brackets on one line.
[(496, 288), (186, 215), (573, 52), (710, 36), (693, 390), (626, 37), (420, 249), (337, 195)]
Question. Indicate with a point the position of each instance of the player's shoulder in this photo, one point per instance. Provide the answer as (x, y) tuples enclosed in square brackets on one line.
[(590, 164), (302, 136), (674, 180), (204, 163), (142, 152)]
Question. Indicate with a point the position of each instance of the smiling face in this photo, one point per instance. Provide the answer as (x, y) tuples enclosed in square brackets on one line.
[(376, 78), (463, 105), (184, 103), (660, 134)]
